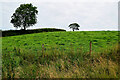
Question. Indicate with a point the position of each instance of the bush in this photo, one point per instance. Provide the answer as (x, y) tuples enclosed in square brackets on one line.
[(20, 32)]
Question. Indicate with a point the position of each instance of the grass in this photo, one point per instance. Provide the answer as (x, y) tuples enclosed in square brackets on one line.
[(63, 40), (22, 60), (59, 65)]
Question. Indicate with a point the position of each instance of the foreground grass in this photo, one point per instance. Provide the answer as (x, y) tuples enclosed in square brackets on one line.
[(64, 55), (57, 63)]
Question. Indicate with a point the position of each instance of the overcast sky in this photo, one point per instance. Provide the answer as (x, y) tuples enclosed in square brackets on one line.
[(90, 15)]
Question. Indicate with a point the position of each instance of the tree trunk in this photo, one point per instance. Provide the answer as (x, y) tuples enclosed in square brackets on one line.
[(24, 28), (73, 29)]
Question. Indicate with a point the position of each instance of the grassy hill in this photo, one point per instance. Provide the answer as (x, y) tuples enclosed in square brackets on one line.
[(64, 54), (62, 40)]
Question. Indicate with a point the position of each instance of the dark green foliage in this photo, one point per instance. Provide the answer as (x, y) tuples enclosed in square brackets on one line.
[(74, 26), (20, 32), (0, 33), (24, 16)]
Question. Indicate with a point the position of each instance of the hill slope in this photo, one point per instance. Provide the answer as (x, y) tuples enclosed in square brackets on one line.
[(64, 55), (62, 40)]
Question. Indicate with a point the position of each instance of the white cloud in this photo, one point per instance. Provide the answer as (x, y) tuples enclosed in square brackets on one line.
[(90, 15), (59, 1), (0, 16)]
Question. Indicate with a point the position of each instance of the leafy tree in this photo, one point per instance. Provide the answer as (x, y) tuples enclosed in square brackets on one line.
[(24, 16), (74, 26)]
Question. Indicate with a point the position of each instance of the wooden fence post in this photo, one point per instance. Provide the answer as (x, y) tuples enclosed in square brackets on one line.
[(42, 49), (90, 47)]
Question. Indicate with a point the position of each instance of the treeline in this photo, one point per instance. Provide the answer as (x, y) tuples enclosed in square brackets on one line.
[(20, 32)]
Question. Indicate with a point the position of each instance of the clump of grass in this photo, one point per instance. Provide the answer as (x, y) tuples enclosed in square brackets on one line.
[(55, 63)]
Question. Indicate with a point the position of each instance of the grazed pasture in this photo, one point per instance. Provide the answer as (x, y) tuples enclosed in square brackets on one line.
[(65, 55)]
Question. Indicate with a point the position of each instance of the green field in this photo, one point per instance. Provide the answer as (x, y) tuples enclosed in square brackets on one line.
[(61, 40), (24, 53)]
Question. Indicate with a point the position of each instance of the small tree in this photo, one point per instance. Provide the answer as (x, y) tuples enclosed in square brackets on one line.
[(24, 16), (74, 26)]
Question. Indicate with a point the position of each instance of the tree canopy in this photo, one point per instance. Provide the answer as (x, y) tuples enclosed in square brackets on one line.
[(24, 16), (74, 26)]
